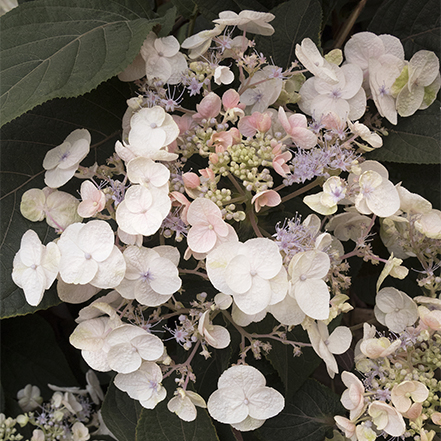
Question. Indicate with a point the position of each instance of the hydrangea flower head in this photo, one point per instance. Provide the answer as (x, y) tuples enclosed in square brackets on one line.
[(249, 21)]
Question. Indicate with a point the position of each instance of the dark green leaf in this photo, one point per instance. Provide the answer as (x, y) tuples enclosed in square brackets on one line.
[(414, 140), (30, 355), (414, 22), (56, 48), (293, 371), (295, 20), (306, 417), (186, 8), (121, 414), (160, 424), (25, 141)]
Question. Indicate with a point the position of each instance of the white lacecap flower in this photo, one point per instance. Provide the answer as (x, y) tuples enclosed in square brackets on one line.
[(395, 309), (406, 392), (251, 272), (216, 336), (163, 59), (29, 398), (325, 202), (62, 162), (249, 21), (142, 210), (148, 173), (184, 402), (243, 399), (128, 345), (151, 276), (58, 207), (345, 98), (35, 266), (326, 345), (387, 418), (143, 385), (353, 397), (199, 43), (88, 255)]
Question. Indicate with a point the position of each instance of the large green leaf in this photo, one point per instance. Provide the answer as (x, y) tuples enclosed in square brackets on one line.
[(31, 355), (414, 22), (60, 48), (25, 141), (414, 140), (295, 20), (121, 414), (306, 417)]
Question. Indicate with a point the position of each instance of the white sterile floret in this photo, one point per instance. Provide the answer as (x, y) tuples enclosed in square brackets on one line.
[(35, 266), (243, 400), (151, 129), (184, 402), (89, 336), (208, 228), (353, 397), (129, 345), (395, 309), (29, 398), (325, 202), (249, 21), (148, 173), (163, 59), (393, 268), (345, 98), (223, 75), (265, 92), (374, 193), (312, 59), (62, 162), (364, 133), (88, 255), (326, 345), (387, 418), (422, 72), (307, 270), (93, 200), (58, 207), (199, 43), (215, 335), (150, 277), (142, 210), (351, 225), (402, 393), (251, 272), (143, 385)]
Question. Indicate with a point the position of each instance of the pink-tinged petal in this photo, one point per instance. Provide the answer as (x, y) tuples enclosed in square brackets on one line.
[(269, 198), (201, 239), (230, 99), (200, 209), (303, 138), (209, 107)]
